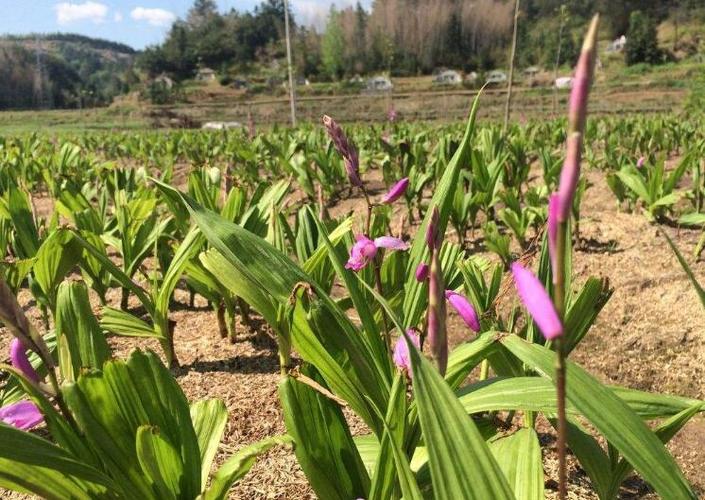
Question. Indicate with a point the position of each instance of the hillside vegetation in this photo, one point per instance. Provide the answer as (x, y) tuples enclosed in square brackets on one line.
[(73, 71)]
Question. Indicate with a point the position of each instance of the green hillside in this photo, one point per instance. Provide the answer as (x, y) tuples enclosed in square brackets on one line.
[(62, 71)]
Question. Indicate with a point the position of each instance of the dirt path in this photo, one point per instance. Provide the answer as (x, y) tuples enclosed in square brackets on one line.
[(649, 336)]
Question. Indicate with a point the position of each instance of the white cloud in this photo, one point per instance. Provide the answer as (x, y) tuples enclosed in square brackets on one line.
[(67, 13), (117, 17), (155, 17)]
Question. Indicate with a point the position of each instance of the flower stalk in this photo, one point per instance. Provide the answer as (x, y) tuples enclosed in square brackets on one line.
[(570, 174)]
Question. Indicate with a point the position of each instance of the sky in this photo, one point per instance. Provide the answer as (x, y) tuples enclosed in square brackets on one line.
[(137, 23)]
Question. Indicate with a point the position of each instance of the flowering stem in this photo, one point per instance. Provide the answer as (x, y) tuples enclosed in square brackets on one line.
[(559, 302)]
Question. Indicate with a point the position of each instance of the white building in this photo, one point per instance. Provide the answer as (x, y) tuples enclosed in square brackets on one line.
[(379, 84), (448, 77)]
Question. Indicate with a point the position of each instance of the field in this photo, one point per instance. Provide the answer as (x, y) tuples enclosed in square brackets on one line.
[(406, 308)]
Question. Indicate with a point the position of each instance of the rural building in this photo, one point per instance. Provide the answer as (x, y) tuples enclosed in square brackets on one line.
[(205, 75), (564, 82), (471, 77), (379, 84), (496, 76), (617, 45), (448, 77), (164, 81)]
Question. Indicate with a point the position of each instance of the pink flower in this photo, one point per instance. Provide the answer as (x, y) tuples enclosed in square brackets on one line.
[(18, 358), (396, 191), (365, 249), (464, 309), (640, 162), (401, 350), (392, 115), (23, 415), (345, 148), (553, 207), (421, 272), (537, 302)]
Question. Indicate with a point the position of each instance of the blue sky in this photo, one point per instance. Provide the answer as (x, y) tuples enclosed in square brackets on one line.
[(135, 22)]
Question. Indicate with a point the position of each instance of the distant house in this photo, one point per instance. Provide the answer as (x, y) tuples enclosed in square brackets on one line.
[(221, 125), (164, 81), (448, 77), (617, 45), (564, 82), (496, 76), (532, 71), (530, 74), (205, 75), (471, 77), (379, 84)]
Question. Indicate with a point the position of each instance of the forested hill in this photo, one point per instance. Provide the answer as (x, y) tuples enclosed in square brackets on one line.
[(62, 71)]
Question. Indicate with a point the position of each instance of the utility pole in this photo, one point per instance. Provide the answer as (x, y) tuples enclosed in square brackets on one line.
[(39, 95), (292, 90), (508, 106), (558, 60)]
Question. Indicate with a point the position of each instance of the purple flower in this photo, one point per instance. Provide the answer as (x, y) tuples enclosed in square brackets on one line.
[(640, 162), (553, 207), (365, 249), (401, 350), (345, 148), (23, 415), (464, 309), (421, 272), (537, 302), (18, 358), (396, 191)]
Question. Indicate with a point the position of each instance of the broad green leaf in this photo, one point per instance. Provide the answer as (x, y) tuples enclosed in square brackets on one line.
[(209, 418), (124, 323), (612, 418), (323, 444), (519, 457), (80, 339), (414, 301), (30, 464), (159, 461), (461, 464)]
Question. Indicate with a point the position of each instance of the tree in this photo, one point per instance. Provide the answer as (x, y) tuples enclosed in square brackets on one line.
[(642, 44), (333, 45)]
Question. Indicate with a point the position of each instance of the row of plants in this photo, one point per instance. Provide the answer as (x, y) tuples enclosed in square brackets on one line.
[(245, 223)]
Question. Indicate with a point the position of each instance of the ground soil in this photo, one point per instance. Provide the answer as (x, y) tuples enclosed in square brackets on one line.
[(649, 336)]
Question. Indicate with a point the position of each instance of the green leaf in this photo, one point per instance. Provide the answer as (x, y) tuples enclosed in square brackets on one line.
[(414, 299), (58, 254), (519, 457), (612, 418), (123, 323), (209, 418), (467, 356), (159, 461), (324, 446), (461, 464), (686, 268), (78, 332), (239, 464), (30, 464)]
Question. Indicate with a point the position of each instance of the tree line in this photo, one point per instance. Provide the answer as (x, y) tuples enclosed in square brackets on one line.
[(402, 37)]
